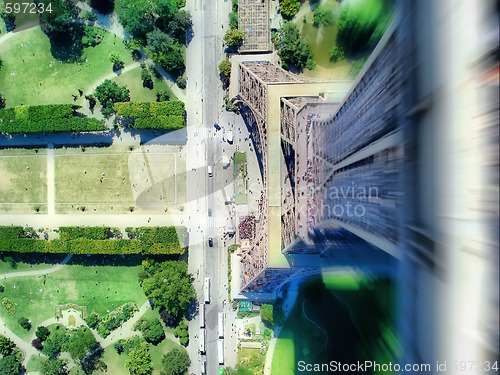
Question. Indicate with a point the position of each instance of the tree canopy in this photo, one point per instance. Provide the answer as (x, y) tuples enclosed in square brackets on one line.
[(180, 24), (81, 343), (136, 16), (289, 8), (175, 362), (151, 330), (109, 93), (9, 365), (322, 16), (234, 37), (52, 366), (170, 287), (225, 68), (42, 333), (164, 51), (138, 361), (292, 49), (361, 24)]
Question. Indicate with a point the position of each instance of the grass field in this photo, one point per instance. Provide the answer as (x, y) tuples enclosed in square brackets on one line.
[(99, 287), (27, 77), (23, 185), (116, 177), (29, 262), (116, 362), (132, 79)]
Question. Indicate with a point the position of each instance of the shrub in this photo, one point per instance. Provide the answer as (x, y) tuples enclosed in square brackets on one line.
[(50, 118), (322, 17), (89, 16), (91, 233), (336, 54), (9, 306), (116, 318), (42, 333), (25, 323), (181, 82)]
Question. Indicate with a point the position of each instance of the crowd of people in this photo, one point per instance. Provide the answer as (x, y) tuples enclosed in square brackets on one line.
[(247, 227)]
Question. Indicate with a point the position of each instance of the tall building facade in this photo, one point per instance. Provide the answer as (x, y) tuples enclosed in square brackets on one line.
[(393, 173)]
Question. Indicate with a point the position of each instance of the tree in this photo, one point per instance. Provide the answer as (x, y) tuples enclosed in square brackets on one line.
[(9, 365), (336, 53), (180, 24), (234, 37), (3, 102), (181, 82), (25, 323), (103, 6), (158, 43), (81, 343), (6, 346), (233, 20), (293, 49), (161, 96), (37, 344), (115, 58), (266, 312), (52, 366), (138, 361), (89, 16), (225, 68), (175, 362), (172, 62), (289, 8), (109, 93), (361, 24), (42, 333), (151, 330), (170, 287), (136, 16), (322, 17), (147, 81), (55, 342), (163, 50)]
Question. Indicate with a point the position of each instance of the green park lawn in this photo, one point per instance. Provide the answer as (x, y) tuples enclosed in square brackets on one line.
[(132, 79), (79, 175), (23, 185), (299, 340), (28, 262), (98, 287), (33, 80)]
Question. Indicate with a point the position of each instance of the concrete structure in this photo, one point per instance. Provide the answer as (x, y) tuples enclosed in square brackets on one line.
[(398, 147)]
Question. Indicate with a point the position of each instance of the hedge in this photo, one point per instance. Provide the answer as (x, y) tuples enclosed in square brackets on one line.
[(153, 115), (50, 118), (91, 233), (148, 109), (162, 240), (160, 122), (12, 232)]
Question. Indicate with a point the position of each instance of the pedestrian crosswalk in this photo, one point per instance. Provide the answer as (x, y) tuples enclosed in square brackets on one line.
[(216, 222), (209, 133)]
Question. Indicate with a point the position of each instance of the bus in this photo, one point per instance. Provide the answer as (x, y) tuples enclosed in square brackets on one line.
[(220, 351), (207, 290), (202, 341), (220, 320), (202, 315)]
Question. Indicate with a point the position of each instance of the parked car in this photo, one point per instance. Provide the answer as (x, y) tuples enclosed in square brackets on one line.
[(210, 242), (209, 212)]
